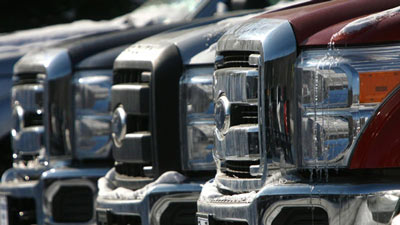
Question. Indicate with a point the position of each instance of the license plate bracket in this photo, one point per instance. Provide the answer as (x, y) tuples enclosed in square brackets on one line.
[(204, 219)]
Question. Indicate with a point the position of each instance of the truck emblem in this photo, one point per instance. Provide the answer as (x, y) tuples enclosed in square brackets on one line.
[(222, 114), (118, 125)]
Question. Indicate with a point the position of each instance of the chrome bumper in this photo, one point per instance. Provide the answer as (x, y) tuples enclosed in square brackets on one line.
[(42, 191), (142, 207), (345, 204)]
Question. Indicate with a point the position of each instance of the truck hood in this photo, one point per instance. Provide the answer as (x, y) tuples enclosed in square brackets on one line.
[(316, 24)]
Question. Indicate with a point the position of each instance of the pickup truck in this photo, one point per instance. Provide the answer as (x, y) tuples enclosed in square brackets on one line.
[(61, 122), (307, 115)]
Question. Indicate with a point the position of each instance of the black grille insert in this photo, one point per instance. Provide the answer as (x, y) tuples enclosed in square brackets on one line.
[(137, 123), (234, 59), (239, 168), (301, 216), (222, 222), (73, 204), (108, 218), (243, 113), (26, 78), (179, 213), (130, 169), (21, 211), (130, 76), (33, 119)]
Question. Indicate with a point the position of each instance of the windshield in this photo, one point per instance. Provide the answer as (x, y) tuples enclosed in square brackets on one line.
[(163, 11)]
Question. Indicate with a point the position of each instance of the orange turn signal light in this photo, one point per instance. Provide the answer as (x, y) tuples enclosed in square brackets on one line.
[(375, 86)]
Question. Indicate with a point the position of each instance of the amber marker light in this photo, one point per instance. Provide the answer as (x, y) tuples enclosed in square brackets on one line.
[(375, 86)]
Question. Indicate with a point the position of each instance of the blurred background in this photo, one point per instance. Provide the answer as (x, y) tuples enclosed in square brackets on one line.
[(25, 14)]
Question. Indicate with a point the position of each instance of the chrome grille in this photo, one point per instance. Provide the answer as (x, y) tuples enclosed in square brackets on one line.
[(235, 88), (27, 104)]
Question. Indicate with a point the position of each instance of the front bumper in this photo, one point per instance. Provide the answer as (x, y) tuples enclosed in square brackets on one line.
[(344, 203), (44, 201), (151, 206)]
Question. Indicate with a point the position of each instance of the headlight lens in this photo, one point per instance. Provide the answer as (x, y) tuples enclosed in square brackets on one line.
[(92, 114), (337, 94), (197, 113)]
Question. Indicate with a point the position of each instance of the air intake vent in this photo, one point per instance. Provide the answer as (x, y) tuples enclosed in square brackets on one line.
[(73, 205), (234, 59), (301, 216)]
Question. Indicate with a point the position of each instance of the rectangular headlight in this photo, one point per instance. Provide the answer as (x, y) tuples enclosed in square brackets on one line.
[(196, 113), (92, 114)]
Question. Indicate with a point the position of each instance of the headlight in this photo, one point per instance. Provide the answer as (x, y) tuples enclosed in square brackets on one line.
[(196, 109), (334, 96), (92, 114)]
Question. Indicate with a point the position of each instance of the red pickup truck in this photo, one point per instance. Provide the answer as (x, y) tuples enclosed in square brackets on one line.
[(307, 113)]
